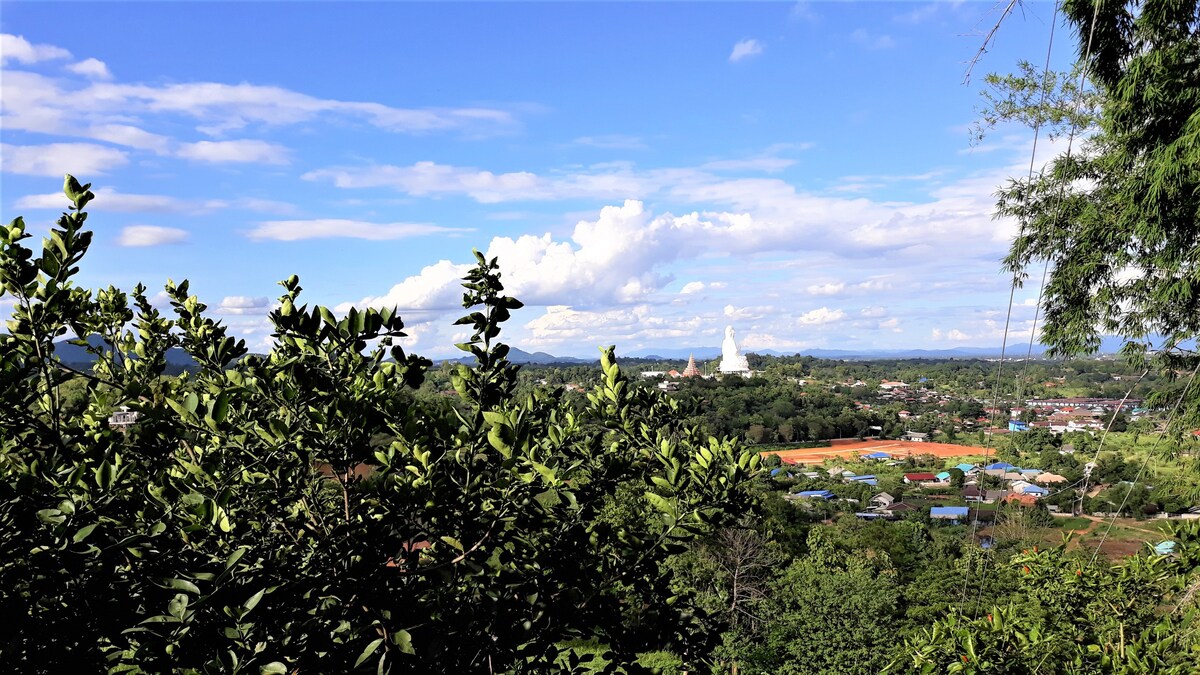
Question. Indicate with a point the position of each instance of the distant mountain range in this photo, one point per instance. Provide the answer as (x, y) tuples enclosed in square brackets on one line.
[(77, 355), (179, 359), (521, 356), (709, 353)]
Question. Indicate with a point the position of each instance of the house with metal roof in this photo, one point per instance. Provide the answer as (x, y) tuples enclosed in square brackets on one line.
[(1023, 488), (815, 494), (877, 455), (1004, 466)]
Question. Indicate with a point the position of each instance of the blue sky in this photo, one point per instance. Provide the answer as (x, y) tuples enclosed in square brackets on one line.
[(647, 173)]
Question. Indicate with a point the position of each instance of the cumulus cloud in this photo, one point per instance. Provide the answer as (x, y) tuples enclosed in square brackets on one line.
[(93, 68), (17, 48), (820, 316), (239, 151), (953, 335), (435, 287), (55, 159), (330, 228), (745, 49), (626, 326), (243, 304), (151, 235), (691, 287), (747, 313)]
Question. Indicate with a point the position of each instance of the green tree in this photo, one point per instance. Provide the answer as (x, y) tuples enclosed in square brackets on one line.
[(1118, 221), (303, 511)]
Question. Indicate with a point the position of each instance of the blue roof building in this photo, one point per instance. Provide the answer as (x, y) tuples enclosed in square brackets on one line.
[(1000, 465), (965, 468), (859, 479), (877, 455), (1018, 425), (943, 476), (815, 494), (1035, 490)]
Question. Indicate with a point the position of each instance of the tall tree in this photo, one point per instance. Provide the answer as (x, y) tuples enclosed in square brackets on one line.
[(1117, 221)]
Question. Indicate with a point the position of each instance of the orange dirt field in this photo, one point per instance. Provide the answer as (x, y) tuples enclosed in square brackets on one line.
[(897, 449)]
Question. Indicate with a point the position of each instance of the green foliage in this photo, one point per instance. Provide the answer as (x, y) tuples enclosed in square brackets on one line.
[(1066, 616), (303, 511), (1119, 220)]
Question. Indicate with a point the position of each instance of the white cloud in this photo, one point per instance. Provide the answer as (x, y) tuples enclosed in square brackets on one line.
[(748, 313), (821, 316), (83, 105), (252, 151), (831, 288), (130, 136), (108, 199), (745, 49), (151, 235), (953, 335), (692, 287), (873, 312), (17, 48), (328, 228), (436, 287), (226, 107), (56, 159), (432, 179), (611, 142), (93, 68), (243, 304), (764, 164), (843, 288), (624, 326), (111, 200)]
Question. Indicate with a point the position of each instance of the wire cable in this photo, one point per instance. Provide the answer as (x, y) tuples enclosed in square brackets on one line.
[(1145, 462)]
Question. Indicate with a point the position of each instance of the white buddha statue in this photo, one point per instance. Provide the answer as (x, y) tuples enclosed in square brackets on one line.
[(732, 360)]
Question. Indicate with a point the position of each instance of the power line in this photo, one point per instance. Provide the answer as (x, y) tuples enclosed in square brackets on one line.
[(1146, 461), (1058, 213), (1012, 289)]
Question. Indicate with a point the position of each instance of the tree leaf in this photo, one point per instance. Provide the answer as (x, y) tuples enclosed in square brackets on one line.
[(366, 653)]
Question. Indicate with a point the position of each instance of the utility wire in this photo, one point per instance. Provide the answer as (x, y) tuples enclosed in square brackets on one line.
[(1146, 461), (1058, 212), (995, 399)]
